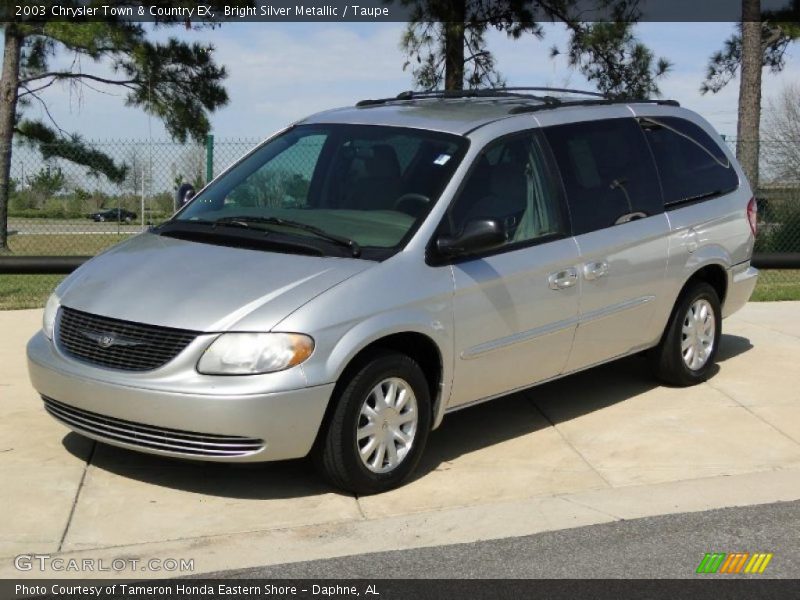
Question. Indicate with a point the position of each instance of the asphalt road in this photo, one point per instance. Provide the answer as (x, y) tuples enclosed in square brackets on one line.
[(670, 546)]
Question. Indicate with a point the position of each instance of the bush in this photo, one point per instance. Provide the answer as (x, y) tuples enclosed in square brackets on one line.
[(781, 231), (163, 204), (55, 206), (38, 213), (21, 201), (78, 202)]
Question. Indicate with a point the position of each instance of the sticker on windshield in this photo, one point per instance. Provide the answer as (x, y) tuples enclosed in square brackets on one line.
[(441, 159)]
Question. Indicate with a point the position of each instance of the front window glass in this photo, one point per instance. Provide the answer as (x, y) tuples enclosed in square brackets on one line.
[(369, 184), (509, 182)]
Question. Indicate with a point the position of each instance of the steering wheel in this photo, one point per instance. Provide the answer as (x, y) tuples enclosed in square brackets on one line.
[(411, 204)]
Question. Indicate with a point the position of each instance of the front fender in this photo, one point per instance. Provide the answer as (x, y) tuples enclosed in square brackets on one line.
[(340, 347)]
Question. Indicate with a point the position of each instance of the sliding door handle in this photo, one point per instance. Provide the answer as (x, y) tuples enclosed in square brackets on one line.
[(595, 270), (633, 216), (563, 279)]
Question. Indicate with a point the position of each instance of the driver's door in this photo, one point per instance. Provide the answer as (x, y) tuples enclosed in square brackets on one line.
[(515, 308)]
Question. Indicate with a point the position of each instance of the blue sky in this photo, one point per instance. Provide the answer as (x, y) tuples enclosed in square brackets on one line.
[(281, 72)]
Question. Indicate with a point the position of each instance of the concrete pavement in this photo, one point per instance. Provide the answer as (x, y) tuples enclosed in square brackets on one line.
[(601, 446)]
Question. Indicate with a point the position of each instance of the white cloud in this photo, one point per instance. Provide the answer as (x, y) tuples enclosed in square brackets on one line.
[(279, 75), (281, 72)]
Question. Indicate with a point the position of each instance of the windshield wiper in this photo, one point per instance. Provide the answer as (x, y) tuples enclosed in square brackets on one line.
[(245, 220)]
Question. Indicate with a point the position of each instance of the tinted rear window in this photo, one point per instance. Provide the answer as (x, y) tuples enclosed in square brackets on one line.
[(607, 171), (690, 163)]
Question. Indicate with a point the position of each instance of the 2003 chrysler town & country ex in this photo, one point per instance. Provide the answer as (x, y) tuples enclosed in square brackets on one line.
[(367, 270)]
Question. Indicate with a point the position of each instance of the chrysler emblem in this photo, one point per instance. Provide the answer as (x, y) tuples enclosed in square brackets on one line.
[(106, 340)]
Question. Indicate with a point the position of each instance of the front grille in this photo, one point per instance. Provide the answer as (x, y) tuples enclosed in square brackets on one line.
[(119, 344), (150, 437)]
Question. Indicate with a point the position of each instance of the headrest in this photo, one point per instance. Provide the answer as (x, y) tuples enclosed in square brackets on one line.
[(383, 162), (509, 181)]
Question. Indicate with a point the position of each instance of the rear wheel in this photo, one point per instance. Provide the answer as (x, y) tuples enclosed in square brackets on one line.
[(686, 353), (379, 425)]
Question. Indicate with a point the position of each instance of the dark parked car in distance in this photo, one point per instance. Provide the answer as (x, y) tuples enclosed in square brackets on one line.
[(113, 214)]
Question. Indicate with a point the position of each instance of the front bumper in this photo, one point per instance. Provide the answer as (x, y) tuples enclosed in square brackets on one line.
[(287, 422)]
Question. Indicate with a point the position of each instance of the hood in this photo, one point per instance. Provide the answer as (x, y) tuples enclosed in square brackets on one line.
[(190, 285)]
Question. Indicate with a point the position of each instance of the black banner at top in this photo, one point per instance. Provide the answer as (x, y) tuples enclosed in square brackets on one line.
[(382, 11)]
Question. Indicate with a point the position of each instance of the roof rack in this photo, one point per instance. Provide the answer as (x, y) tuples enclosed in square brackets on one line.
[(513, 92), (599, 102), (547, 101)]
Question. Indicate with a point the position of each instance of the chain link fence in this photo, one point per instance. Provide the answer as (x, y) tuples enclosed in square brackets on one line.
[(778, 215), (60, 208)]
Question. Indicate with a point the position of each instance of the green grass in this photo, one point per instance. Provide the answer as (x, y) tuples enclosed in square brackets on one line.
[(777, 285), (26, 291), (63, 244), (31, 291)]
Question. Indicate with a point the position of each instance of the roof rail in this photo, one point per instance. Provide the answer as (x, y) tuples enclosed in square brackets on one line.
[(547, 101), (556, 90), (599, 102), (514, 92)]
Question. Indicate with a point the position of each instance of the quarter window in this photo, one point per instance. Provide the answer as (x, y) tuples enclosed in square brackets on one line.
[(691, 165), (607, 171)]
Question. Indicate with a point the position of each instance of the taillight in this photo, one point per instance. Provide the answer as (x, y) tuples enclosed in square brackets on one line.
[(752, 215)]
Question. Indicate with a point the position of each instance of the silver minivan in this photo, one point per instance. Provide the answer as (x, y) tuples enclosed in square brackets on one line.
[(367, 270)]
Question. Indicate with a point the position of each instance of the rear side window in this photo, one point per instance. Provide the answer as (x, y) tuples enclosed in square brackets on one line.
[(607, 171), (691, 165)]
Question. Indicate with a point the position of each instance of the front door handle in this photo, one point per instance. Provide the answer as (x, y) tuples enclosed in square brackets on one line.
[(563, 279), (595, 270)]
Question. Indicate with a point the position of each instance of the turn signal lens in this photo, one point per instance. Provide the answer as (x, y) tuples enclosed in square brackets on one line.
[(49, 316)]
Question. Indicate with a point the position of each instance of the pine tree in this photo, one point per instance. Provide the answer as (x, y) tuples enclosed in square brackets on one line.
[(175, 81)]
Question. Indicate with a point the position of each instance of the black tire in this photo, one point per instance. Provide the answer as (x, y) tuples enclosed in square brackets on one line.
[(666, 359), (336, 453)]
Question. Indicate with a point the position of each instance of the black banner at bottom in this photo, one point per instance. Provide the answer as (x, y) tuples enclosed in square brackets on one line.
[(390, 589)]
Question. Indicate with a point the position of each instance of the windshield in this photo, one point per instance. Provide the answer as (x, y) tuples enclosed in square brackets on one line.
[(332, 185)]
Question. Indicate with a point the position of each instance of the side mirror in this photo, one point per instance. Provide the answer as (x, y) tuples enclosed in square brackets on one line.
[(183, 194), (478, 235)]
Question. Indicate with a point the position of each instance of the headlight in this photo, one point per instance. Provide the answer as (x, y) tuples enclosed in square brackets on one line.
[(254, 353), (49, 317)]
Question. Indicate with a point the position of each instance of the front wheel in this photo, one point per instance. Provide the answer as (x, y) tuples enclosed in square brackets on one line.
[(379, 425), (686, 353)]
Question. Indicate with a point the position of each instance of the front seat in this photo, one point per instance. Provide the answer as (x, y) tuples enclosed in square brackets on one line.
[(379, 187), (506, 199)]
